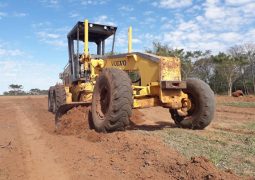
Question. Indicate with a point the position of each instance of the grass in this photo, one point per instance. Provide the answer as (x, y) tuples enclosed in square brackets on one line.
[(232, 147), (241, 104), (227, 150), (250, 126)]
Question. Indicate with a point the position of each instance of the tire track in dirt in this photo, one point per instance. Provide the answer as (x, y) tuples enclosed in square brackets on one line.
[(39, 159)]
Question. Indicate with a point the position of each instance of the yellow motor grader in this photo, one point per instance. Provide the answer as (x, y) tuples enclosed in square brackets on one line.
[(114, 84)]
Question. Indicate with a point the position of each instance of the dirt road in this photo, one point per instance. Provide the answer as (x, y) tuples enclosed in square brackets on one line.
[(31, 149)]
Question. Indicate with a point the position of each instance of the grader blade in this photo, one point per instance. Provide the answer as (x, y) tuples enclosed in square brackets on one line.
[(66, 107)]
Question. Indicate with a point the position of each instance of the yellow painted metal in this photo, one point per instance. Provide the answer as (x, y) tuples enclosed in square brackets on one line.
[(130, 39), (132, 57), (146, 102), (170, 69), (148, 70), (146, 93), (151, 73), (140, 91), (86, 38), (68, 95), (172, 98), (96, 66), (81, 89)]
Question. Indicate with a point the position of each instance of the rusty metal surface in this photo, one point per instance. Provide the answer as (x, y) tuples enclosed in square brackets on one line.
[(170, 69), (173, 85), (148, 56)]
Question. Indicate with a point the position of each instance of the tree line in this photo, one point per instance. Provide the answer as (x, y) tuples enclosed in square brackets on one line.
[(17, 89), (224, 72)]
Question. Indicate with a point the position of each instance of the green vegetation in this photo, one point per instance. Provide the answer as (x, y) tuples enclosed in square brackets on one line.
[(226, 150), (224, 72), (16, 89), (229, 142), (241, 104), (250, 126)]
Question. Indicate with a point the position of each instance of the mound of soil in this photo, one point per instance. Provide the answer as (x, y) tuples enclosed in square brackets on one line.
[(226, 99), (138, 155), (77, 121), (238, 93)]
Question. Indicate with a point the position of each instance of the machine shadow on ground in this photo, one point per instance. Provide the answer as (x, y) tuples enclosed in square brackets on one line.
[(149, 127)]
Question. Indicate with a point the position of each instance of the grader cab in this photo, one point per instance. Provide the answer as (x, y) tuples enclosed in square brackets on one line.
[(115, 84)]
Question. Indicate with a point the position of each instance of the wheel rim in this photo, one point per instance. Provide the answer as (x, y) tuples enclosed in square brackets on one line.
[(192, 110)]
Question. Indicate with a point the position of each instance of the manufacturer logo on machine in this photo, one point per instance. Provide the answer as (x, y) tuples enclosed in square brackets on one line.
[(119, 63)]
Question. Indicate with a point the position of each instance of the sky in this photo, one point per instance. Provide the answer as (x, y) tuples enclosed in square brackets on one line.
[(33, 43)]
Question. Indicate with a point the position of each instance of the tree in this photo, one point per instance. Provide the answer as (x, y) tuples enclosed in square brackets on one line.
[(35, 91), (188, 58), (249, 52), (229, 67), (164, 50), (15, 89), (204, 69)]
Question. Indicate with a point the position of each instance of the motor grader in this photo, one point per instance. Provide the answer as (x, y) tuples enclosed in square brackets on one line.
[(115, 84)]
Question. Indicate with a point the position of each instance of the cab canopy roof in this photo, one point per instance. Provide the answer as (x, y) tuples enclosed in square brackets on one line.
[(97, 32)]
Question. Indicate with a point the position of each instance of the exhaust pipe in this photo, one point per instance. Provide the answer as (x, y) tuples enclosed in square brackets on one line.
[(130, 39)]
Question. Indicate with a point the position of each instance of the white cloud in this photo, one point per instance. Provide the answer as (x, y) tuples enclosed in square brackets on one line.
[(163, 18), (41, 25), (238, 2), (148, 13), (126, 8), (52, 39), (50, 3), (10, 52), (93, 2), (188, 26), (250, 35), (171, 4), (230, 37), (23, 72), (213, 24), (45, 33), (133, 18), (214, 12), (74, 15), (2, 14), (148, 21), (57, 43), (19, 14), (103, 19), (136, 41)]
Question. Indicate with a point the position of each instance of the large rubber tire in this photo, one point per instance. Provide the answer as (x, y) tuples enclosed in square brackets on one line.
[(60, 96), (112, 101), (203, 106), (51, 99)]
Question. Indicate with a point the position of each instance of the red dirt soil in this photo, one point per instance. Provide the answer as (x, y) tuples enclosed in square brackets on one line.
[(145, 157), (75, 151)]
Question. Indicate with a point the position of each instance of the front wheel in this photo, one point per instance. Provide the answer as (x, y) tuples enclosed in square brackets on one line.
[(202, 108), (112, 101)]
